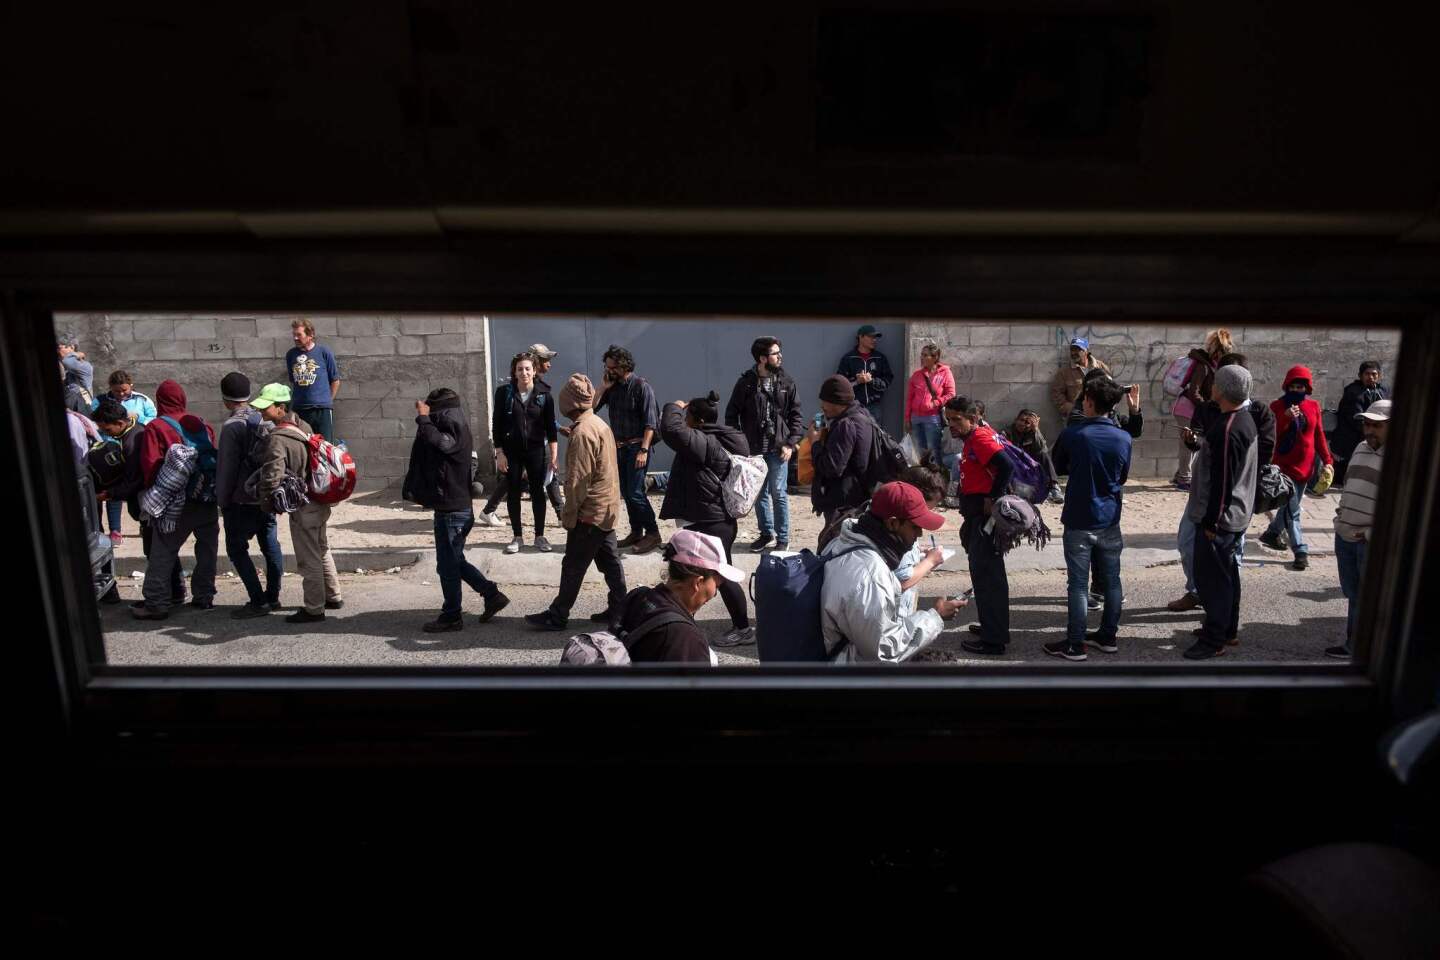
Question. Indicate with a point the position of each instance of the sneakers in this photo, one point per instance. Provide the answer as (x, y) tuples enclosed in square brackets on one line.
[(1301, 561), (334, 604), (273, 604), (631, 539), (1338, 653), (1055, 496), (1201, 650), (1270, 540), (974, 628), (304, 616), (543, 545), (980, 646), (1062, 649), (514, 545), (645, 544), (1188, 602), (249, 611), (760, 542), (545, 620), (441, 625), (735, 638), (1094, 602), (488, 520), (493, 605), (1103, 644), (116, 537)]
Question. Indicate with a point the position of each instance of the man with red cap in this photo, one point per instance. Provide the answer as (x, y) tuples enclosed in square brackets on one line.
[(860, 600), (200, 515), (1299, 434)]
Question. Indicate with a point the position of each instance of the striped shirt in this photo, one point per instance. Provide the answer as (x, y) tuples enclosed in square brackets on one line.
[(1357, 500)]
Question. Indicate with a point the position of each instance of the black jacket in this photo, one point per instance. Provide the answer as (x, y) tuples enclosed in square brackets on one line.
[(680, 642), (1260, 413), (439, 472), (841, 459), (513, 428), (128, 488), (879, 368), (1355, 401), (745, 411), (701, 462)]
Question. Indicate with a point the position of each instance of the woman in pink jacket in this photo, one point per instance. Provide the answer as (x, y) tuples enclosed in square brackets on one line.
[(930, 387)]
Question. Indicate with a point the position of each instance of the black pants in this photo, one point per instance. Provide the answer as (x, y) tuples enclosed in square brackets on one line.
[(987, 576), (526, 465), (1217, 579), (502, 490), (732, 594), (585, 543)]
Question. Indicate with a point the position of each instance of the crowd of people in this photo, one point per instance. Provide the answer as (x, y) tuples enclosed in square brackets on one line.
[(181, 479)]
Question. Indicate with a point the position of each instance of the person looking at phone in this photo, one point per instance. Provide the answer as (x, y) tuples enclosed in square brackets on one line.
[(862, 614), (634, 420)]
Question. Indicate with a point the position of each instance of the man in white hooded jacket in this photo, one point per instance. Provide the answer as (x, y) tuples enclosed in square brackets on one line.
[(860, 601)]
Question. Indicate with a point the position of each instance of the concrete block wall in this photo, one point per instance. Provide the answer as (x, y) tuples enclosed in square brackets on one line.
[(387, 362), (1010, 366)]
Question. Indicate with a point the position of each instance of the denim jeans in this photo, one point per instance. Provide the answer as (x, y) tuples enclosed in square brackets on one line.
[(1102, 548), (1350, 559), (1185, 541), (451, 529), (926, 431), (114, 510), (245, 523), (1288, 517), (632, 490), (772, 510), (321, 420)]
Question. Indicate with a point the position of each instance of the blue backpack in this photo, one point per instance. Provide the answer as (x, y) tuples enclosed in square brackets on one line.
[(201, 488), (786, 591), (1028, 481)]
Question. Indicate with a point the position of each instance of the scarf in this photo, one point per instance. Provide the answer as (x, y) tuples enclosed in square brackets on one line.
[(873, 529), (1298, 425), (165, 500), (1017, 519)]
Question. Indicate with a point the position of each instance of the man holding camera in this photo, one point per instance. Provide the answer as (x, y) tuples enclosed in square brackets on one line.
[(765, 406)]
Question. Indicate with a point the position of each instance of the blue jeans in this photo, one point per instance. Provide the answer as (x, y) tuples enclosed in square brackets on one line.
[(926, 431), (451, 529), (1102, 548), (1288, 517), (114, 510), (632, 490), (772, 510), (242, 524), (1350, 559), (321, 420)]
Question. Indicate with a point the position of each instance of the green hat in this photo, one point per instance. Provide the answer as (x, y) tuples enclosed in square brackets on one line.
[(272, 394)]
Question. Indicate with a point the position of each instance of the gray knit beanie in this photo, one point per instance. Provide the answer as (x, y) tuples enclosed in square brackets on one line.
[(1233, 383)]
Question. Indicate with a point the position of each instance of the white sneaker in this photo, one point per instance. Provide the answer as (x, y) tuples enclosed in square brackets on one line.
[(488, 520), (542, 545), (514, 545), (736, 638)]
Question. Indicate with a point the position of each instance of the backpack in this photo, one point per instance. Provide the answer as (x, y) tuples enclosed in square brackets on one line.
[(331, 474), (1028, 481), (602, 648), (201, 488), (742, 485), (786, 592), (1273, 489), (106, 461), (256, 439), (887, 460), (1177, 375)]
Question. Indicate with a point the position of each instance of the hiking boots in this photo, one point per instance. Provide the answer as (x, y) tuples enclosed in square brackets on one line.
[(494, 603), (632, 538), (1188, 602), (1271, 540), (645, 544)]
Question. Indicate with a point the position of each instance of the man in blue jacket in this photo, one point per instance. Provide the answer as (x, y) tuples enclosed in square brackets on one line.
[(1096, 453)]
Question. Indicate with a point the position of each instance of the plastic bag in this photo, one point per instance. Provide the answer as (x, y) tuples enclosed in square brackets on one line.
[(907, 449), (1327, 477)]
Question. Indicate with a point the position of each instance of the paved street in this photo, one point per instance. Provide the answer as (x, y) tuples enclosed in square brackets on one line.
[(1287, 616)]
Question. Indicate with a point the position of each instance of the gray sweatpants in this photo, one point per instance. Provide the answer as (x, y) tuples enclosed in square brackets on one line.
[(203, 521)]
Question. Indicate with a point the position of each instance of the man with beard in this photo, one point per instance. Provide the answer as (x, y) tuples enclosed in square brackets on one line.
[(765, 406)]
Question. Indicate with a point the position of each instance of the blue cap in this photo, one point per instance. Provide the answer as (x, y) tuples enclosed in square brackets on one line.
[(1082, 343)]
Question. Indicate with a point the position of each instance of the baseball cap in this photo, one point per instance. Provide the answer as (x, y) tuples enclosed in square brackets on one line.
[(1082, 343), (271, 394), (901, 501), (542, 351), (704, 551), (1378, 411), (868, 331)]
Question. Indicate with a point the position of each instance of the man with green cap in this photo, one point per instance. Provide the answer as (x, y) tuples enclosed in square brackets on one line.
[(867, 369), (286, 463)]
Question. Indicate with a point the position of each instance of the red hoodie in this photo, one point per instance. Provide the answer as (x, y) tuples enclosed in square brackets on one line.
[(1297, 462), (158, 435)]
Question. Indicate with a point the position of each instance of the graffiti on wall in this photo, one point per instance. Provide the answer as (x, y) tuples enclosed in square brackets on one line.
[(1129, 362)]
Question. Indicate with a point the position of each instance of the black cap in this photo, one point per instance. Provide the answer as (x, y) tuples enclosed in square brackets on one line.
[(235, 387)]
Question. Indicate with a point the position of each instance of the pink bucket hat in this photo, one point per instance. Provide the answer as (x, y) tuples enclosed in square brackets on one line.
[(704, 551)]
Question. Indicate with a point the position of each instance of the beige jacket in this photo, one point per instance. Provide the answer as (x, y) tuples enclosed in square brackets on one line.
[(287, 451), (592, 475), (1065, 387)]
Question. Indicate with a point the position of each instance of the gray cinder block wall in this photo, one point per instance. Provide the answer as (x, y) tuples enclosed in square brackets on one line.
[(386, 361), (1010, 366)]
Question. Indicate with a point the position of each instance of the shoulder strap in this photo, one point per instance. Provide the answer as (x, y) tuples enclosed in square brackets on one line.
[(930, 386), (662, 619)]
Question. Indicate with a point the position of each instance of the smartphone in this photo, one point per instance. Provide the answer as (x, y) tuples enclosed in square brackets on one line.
[(966, 595), (819, 421)]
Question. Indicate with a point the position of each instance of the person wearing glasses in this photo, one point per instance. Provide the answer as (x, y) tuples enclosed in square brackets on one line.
[(765, 406)]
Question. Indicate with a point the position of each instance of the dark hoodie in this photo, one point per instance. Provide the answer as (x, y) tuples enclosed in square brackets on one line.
[(159, 435), (439, 473), (701, 462)]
